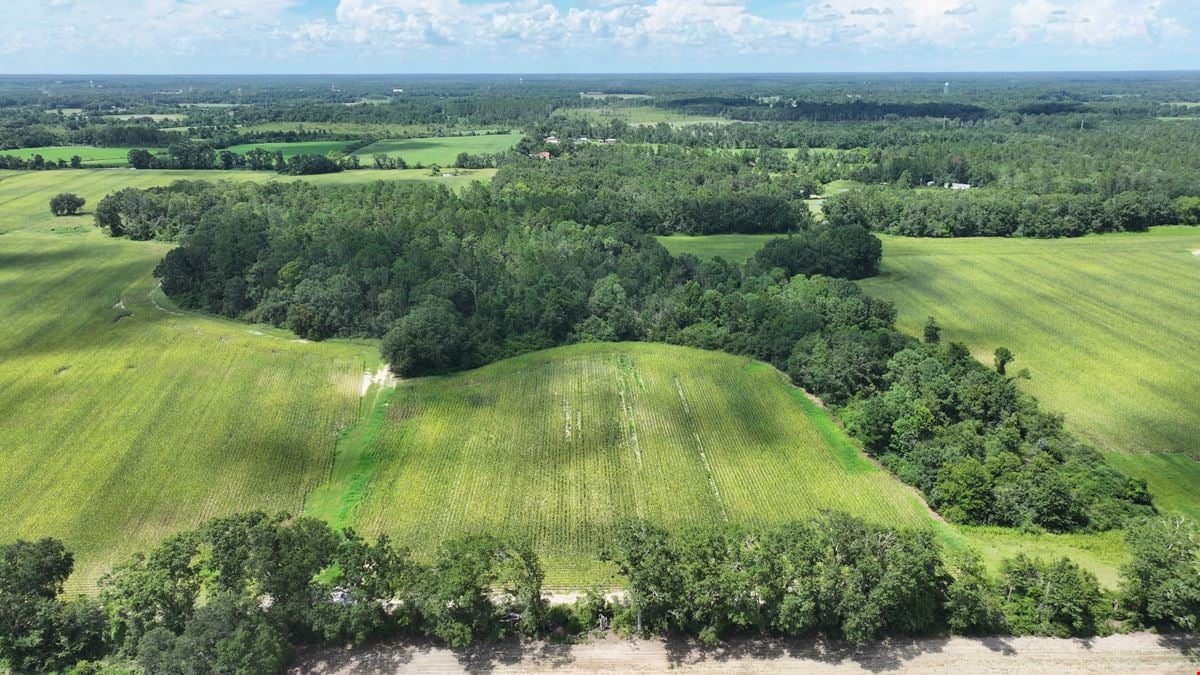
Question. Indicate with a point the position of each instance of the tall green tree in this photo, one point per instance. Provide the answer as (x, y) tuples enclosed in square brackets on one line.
[(1160, 584)]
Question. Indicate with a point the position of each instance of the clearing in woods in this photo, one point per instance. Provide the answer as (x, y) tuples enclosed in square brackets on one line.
[(1108, 326), (732, 247)]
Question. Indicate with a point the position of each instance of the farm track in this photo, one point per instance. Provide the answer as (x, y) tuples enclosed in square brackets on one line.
[(1141, 653)]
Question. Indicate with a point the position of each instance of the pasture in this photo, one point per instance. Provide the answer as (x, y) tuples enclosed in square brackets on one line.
[(90, 155), (441, 150), (555, 447), (1107, 325)]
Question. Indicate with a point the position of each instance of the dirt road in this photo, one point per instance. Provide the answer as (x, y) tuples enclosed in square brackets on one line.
[(1140, 653)]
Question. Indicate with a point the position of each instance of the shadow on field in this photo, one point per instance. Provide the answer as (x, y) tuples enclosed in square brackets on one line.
[(1188, 645), (382, 657), (539, 655), (395, 656), (888, 655)]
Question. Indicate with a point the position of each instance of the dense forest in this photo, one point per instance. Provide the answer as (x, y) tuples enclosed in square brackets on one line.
[(240, 593), (666, 190)]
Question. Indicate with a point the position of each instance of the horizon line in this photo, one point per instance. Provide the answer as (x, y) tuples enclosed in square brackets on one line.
[(599, 72)]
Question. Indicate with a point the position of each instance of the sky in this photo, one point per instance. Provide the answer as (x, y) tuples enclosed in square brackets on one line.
[(567, 36)]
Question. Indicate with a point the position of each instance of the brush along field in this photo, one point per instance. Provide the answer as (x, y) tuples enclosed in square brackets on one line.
[(558, 446), (440, 150), (1108, 325)]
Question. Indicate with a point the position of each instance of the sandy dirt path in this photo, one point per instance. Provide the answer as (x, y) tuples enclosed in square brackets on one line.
[(1141, 653)]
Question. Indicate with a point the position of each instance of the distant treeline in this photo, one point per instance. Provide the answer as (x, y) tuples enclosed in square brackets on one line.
[(454, 281), (752, 110), (101, 135), (240, 593), (972, 213)]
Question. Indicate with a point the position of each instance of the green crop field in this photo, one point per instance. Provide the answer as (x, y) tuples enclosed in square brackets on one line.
[(122, 420), (1108, 326), (293, 149), (90, 155), (440, 150), (558, 445)]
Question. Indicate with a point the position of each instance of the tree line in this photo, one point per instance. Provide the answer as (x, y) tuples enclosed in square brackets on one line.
[(1002, 213), (240, 593)]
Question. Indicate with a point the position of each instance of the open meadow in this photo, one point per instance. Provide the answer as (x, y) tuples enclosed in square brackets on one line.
[(1108, 326), (442, 150)]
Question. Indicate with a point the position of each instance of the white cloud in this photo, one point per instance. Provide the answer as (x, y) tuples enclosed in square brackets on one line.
[(962, 10), (647, 32), (1090, 23)]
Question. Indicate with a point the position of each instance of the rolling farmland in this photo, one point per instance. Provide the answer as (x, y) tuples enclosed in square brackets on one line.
[(1108, 326), (442, 150), (555, 446), (558, 446)]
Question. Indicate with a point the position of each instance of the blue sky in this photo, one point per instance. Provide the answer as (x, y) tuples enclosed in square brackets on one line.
[(389, 36)]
